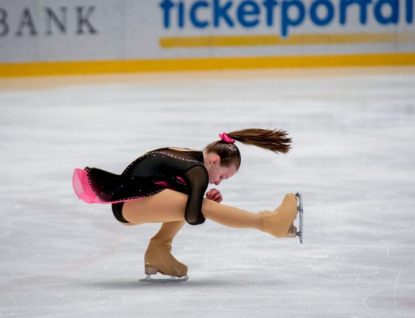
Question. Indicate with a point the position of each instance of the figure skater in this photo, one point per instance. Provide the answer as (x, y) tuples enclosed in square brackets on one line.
[(168, 185)]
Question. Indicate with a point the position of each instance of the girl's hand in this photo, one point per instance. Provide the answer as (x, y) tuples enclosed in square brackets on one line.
[(214, 195)]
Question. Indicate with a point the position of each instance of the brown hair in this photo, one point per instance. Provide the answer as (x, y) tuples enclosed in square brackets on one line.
[(274, 140)]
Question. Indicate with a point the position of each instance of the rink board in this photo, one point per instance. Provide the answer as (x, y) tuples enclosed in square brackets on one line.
[(107, 36)]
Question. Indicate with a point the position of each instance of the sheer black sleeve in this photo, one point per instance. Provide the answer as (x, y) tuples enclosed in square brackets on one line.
[(197, 180)]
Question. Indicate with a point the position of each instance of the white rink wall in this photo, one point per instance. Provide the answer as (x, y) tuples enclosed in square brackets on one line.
[(111, 30)]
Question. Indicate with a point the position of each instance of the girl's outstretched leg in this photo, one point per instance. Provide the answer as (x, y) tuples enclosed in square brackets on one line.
[(169, 206), (158, 256), (278, 223)]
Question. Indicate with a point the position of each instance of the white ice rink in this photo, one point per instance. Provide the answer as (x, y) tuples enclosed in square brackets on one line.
[(353, 159)]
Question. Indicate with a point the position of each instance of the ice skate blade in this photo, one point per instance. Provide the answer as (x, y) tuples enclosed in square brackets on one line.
[(300, 210), (170, 280), (300, 235)]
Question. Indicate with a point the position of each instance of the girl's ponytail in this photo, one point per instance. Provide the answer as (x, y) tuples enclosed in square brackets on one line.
[(274, 140)]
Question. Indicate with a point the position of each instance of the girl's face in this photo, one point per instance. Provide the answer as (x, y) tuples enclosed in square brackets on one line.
[(218, 173)]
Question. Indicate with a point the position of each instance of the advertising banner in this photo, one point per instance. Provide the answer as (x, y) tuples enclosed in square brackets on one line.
[(34, 31)]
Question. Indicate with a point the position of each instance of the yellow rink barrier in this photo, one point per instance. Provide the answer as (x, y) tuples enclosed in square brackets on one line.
[(195, 64), (295, 39)]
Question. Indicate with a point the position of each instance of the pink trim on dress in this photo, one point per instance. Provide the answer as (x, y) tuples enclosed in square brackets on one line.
[(82, 187), (181, 180), (163, 183), (84, 190)]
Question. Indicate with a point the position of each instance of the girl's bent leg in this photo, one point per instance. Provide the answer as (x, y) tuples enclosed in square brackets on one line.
[(166, 206), (158, 257)]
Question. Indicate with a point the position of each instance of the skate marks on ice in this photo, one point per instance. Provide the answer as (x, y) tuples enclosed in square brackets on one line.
[(9, 306), (399, 296), (61, 259), (385, 283)]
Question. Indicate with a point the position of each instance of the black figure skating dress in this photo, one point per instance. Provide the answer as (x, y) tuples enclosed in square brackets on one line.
[(155, 171)]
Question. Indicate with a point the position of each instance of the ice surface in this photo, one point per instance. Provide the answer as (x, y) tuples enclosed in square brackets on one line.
[(353, 160)]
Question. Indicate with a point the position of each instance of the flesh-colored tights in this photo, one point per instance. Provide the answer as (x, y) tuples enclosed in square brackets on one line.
[(169, 206)]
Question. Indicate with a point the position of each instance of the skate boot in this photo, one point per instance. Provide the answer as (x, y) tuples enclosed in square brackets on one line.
[(158, 257), (292, 232), (279, 223)]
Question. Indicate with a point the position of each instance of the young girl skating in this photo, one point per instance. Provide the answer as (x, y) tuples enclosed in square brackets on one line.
[(168, 186)]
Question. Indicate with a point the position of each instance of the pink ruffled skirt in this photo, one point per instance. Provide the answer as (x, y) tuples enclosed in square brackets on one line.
[(83, 188)]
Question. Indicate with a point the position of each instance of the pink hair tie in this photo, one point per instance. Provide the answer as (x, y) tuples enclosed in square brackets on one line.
[(224, 136)]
